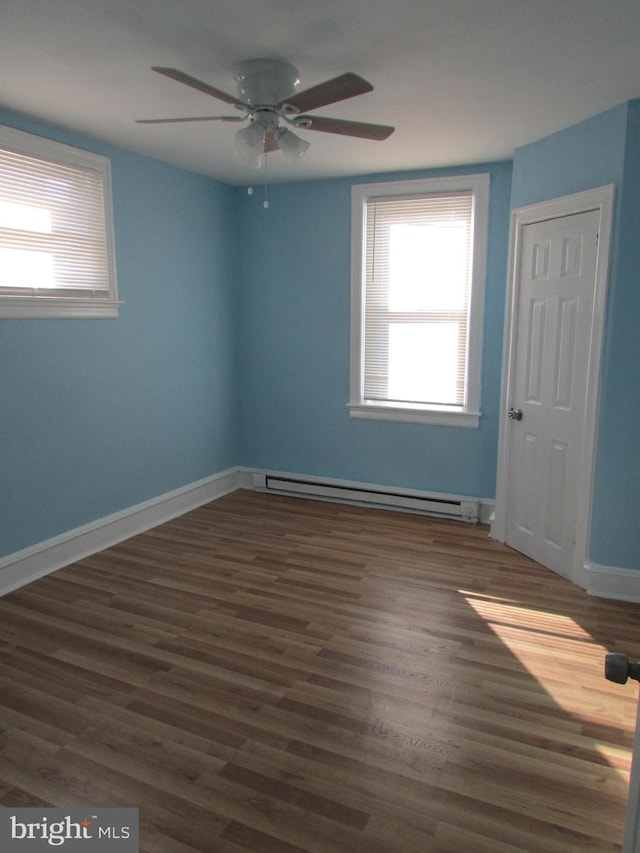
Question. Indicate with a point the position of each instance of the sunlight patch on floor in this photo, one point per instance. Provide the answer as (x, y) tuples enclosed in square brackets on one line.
[(556, 651)]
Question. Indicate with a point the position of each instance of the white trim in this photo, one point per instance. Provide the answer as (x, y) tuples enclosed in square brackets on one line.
[(631, 840), (23, 567), (27, 565), (602, 200), (417, 415), (39, 307), (65, 302), (360, 193), (42, 147), (611, 582)]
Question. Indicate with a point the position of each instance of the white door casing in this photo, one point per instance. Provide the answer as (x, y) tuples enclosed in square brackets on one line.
[(631, 843), (553, 343)]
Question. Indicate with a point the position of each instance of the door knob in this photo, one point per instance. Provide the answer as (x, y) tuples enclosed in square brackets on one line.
[(618, 668), (515, 414)]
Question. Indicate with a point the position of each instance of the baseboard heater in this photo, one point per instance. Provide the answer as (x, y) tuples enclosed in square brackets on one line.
[(464, 510)]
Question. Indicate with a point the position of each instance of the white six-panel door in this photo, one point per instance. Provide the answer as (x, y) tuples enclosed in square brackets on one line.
[(556, 284), (554, 329)]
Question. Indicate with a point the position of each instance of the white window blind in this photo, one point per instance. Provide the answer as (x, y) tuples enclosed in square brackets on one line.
[(418, 254), (55, 229)]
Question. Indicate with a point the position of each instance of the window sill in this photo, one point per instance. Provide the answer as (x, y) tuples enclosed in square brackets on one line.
[(415, 414), (26, 308)]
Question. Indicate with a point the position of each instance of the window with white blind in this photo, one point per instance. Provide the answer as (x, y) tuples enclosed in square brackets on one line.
[(56, 233), (418, 266)]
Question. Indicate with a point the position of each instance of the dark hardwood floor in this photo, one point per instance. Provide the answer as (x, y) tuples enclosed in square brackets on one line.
[(275, 674)]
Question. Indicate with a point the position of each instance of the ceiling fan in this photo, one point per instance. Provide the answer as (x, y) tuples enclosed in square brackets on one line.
[(267, 96)]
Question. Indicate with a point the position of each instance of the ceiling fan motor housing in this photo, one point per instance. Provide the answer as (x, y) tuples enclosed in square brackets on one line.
[(265, 81)]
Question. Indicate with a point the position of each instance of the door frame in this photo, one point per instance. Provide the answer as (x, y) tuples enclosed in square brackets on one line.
[(631, 842), (600, 199)]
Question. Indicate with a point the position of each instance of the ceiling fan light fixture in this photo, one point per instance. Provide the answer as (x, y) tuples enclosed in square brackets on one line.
[(248, 145), (292, 146)]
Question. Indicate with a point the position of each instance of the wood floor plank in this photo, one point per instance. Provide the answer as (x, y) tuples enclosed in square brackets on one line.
[(269, 673)]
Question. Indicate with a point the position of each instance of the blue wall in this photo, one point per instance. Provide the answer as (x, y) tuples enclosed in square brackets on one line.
[(98, 415), (587, 155), (232, 347), (615, 539), (295, 318), (603, 150)]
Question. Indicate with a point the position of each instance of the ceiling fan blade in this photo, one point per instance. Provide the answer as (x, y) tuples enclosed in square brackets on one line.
[(347, 128), (191, 118), (188, 80), (338, 89)]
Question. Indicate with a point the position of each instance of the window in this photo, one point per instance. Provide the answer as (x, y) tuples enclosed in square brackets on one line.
[(418, 266), (56, 238)]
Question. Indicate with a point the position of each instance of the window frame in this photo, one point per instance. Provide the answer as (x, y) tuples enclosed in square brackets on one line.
[(17, 303), (467, 415)]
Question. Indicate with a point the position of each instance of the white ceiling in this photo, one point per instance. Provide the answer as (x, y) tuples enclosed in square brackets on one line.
[(463, 81)]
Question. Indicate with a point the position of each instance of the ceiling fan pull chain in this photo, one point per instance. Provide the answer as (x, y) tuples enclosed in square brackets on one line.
[(265, 203)]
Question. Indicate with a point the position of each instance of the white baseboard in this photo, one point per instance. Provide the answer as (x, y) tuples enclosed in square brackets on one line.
[(611, 582), (34, 562), (39, 560), (27, 565)]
